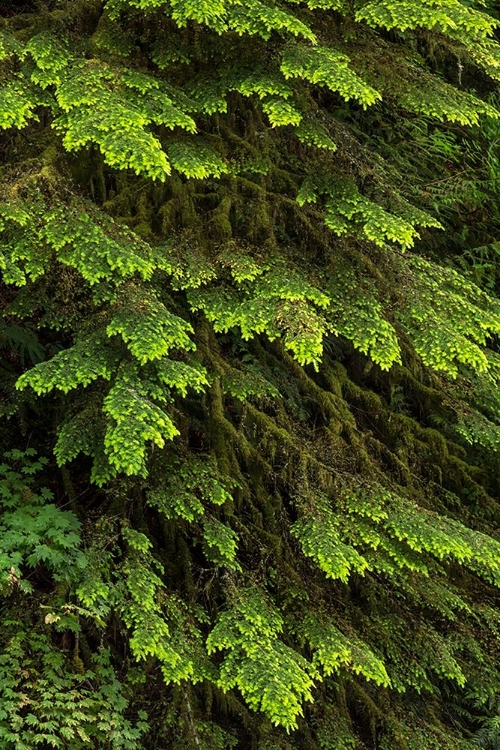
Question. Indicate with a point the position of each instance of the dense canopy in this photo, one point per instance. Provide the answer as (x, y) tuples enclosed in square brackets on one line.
[(250, 369)]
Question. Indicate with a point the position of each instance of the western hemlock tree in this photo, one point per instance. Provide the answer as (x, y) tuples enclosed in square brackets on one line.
[(250, 320)]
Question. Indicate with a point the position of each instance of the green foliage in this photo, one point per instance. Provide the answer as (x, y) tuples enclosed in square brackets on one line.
[(51, 58), (111, 110), (319, 539), (357, 315), (34, 530), (280, 111), (270, 675), (332, 650), (18, 103), (84, 362), (97, 250), (313, 132), (273, 302), (255, 17), (148, 328), (195, 159), (43, 703), (45, 697), (222, 543), (226, 304), (159, 625), (190, 483), (327, 67), (445, 345), (9, 46), (134, 418), (449, 17), (396, 529), (348, 210), (442, 102)]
